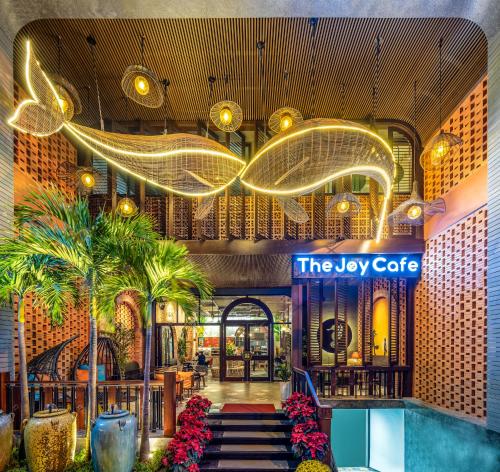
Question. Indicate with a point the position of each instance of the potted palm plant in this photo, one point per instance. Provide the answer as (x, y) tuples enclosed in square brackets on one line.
[(158, 273), (90, 248), (284, 374)]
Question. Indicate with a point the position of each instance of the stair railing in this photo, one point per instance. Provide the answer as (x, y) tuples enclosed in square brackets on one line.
[(302, 383)]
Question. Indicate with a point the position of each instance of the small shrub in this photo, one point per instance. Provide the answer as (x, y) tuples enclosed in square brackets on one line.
[(313, 466)]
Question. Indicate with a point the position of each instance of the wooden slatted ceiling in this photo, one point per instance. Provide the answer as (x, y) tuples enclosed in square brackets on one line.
[(187, 51)]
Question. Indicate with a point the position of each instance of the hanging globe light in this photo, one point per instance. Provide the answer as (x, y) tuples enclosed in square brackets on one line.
[(127, 207), (439, 150), (226, 115), (414, 212), (68, 100), (284, 118), (87, 179), (343, 203), (141, 84)]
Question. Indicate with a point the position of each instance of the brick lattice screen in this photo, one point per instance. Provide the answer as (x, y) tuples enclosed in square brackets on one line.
[(450, 319), (450, 311)]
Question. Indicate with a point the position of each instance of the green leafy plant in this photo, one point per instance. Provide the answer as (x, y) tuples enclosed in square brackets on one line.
[(153, 464), (283, 372), (182, 346), (90, 248), (24, 273), (230, 349), (123, 339), (155, 273)]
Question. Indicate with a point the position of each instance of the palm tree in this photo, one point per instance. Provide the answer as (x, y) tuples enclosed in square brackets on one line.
[(156, 273), (90, 247), (21, 275)]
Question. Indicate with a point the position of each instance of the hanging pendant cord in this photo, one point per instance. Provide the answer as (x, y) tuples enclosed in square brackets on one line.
[(376, 74), (211, 81), (342, 100), (92, 43), (414, 127), (165, 83), (314, 24), (260, 48), (440, 82), (143, 41), (285, 76)]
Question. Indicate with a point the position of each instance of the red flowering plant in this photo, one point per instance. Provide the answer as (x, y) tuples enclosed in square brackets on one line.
[(185, 450), (309, 444), (298, 407)]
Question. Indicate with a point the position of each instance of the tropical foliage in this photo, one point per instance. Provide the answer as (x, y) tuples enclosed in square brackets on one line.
[(43, 278), (90, 248), (155, 273)]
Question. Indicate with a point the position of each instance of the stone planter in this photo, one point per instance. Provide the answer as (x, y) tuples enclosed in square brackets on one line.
[(50, 440), (285, 388), (6, 438), (113, 441)]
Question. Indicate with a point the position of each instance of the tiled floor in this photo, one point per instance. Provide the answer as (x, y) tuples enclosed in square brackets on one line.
[(242, 392)]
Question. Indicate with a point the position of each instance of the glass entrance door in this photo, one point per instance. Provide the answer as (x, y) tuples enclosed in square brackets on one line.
[(246, 351)]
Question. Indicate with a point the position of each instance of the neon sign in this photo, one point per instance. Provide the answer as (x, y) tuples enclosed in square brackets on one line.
[(356, 265)]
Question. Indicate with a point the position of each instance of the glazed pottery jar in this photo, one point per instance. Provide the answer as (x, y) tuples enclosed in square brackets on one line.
[(6, 437), (113, 441), (50, 440)]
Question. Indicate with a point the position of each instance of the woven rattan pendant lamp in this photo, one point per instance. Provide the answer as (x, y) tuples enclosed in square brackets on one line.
[(285, 117), (226, 114), (141, 84), (438, 150), (414, 210)]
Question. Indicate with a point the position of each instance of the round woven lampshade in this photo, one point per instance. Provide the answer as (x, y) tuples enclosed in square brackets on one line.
[(141, 85), (127, 207), (276, 121), (70, 97), (235, 111), (343, 204), (438, 150)]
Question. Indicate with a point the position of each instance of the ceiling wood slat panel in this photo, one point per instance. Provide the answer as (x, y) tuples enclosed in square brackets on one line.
[(187, 51)]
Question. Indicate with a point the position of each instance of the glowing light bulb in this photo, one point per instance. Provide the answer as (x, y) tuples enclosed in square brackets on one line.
[(226, 116), (343, 206), (285, 122), (87, 180), (127, 207), (141, 85), (414, 212), (63, 104), (440, 149)]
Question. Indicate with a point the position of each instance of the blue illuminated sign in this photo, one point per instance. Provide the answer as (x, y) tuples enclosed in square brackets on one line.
[(355, 265)]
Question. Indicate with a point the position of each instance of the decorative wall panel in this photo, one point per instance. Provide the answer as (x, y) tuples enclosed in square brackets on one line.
[(469, 121), (450, 318)]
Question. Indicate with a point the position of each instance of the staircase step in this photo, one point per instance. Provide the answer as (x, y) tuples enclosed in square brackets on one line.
[(241, 425), (244, 416), (249, 465), (278, 452), (250, 437)]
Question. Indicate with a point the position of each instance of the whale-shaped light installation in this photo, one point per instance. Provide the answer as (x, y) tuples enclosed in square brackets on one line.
[(294, 162)]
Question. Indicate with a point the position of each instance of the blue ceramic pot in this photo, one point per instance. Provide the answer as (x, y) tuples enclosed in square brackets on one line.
[(113, 441)]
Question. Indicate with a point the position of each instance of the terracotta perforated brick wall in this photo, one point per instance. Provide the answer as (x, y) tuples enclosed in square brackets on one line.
[(450, 300), (450, 319)]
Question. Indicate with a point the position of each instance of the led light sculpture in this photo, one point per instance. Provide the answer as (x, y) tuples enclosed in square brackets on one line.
[(317, 151)]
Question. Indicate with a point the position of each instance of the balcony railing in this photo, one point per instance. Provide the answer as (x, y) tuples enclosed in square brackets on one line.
[(362, 381), (128, 395)]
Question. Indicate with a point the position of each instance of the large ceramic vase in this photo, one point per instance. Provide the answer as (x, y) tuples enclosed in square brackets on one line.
[(285, 388), (6, 438), (113, 441), (50, 440)]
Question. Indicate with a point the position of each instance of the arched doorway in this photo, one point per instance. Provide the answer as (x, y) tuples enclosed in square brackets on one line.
[(247, 341)]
